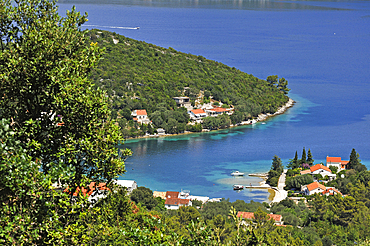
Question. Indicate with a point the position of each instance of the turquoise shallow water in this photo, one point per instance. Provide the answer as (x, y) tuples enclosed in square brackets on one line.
[(322, 49)]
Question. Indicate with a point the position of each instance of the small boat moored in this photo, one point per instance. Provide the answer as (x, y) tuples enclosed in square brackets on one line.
[(238, 187), (237, 173)]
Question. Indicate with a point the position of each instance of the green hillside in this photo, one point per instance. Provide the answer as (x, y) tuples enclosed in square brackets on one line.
[(138, 75)]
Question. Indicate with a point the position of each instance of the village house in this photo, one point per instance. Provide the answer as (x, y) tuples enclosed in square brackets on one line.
[(323, 170), (336, 162), (183, 102), (197, 114), (319, 169), (218, 111), (331, 191), (248, 217), (313, 188), (140, 116), (176, 203)]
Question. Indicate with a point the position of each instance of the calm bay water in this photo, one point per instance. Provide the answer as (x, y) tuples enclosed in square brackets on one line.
[(321, 47)]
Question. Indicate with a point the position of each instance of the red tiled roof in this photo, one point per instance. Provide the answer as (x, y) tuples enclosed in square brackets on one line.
[(315, 185), (176, 201), (219, 109), (344, 162), (250, 216), (305, 172), (141, 112), (319, 166), (333, 159), (331, 189), (198, 111), (172, 194), (91, 188)]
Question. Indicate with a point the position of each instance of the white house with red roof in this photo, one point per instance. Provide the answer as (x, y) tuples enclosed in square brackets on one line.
[(197, 114), (336, 162), (249, 216), (320, 169), (331, 191), (176, 203), (218, 111), (313, 188), (140, 116)]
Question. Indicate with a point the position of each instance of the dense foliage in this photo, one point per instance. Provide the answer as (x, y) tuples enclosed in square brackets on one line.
[(55, 127), (276, 170), (138, 75)]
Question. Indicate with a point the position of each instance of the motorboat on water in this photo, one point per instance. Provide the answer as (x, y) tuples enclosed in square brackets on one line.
[(237, 173), (238, 187)]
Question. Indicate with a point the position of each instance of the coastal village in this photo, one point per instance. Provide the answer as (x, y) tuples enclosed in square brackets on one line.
[(203, 110), (320, 173)]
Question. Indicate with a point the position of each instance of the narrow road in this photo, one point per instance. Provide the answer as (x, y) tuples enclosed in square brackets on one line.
[(280, 193)]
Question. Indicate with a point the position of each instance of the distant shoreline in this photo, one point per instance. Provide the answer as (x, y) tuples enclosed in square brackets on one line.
[(260, 118)]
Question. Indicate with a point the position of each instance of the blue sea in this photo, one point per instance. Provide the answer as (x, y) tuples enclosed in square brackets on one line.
[(321, 47)]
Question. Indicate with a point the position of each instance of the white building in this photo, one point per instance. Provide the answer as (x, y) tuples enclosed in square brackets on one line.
[(129, 184), (336, 162), (140, 116)]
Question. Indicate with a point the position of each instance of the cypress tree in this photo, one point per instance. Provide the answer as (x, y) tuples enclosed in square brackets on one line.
[(309, 158), (303, 159)]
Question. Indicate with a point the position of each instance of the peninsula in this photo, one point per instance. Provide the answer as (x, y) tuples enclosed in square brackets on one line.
[(155, 90)]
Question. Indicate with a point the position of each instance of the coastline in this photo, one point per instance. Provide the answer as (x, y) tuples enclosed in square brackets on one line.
[(277, 194), (260, 118)]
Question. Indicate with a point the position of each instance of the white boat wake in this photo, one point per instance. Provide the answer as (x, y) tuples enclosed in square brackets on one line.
[(115, 27)]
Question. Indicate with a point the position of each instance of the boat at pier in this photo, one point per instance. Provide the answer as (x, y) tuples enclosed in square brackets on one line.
[(238, 187)]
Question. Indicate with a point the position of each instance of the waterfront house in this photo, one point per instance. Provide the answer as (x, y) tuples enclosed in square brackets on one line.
[(197, 114), (217, 111), (336, 162), (313, 188), (176, 203), (140, 116), (248, 217)]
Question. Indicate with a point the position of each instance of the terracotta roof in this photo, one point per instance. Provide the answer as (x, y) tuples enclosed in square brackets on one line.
[(331, 191), (250, 216), (219, 109), (141, 112), (172, 194), (305, 172), (198, 111), (344, 162), (319, 166), (333, 159), (315, 185), (176, 201), (91, 188)]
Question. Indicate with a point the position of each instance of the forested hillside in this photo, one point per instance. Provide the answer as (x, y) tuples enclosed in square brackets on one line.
[(138, 75)]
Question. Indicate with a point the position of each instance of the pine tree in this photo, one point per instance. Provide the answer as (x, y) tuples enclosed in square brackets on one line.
[(355, 162)]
